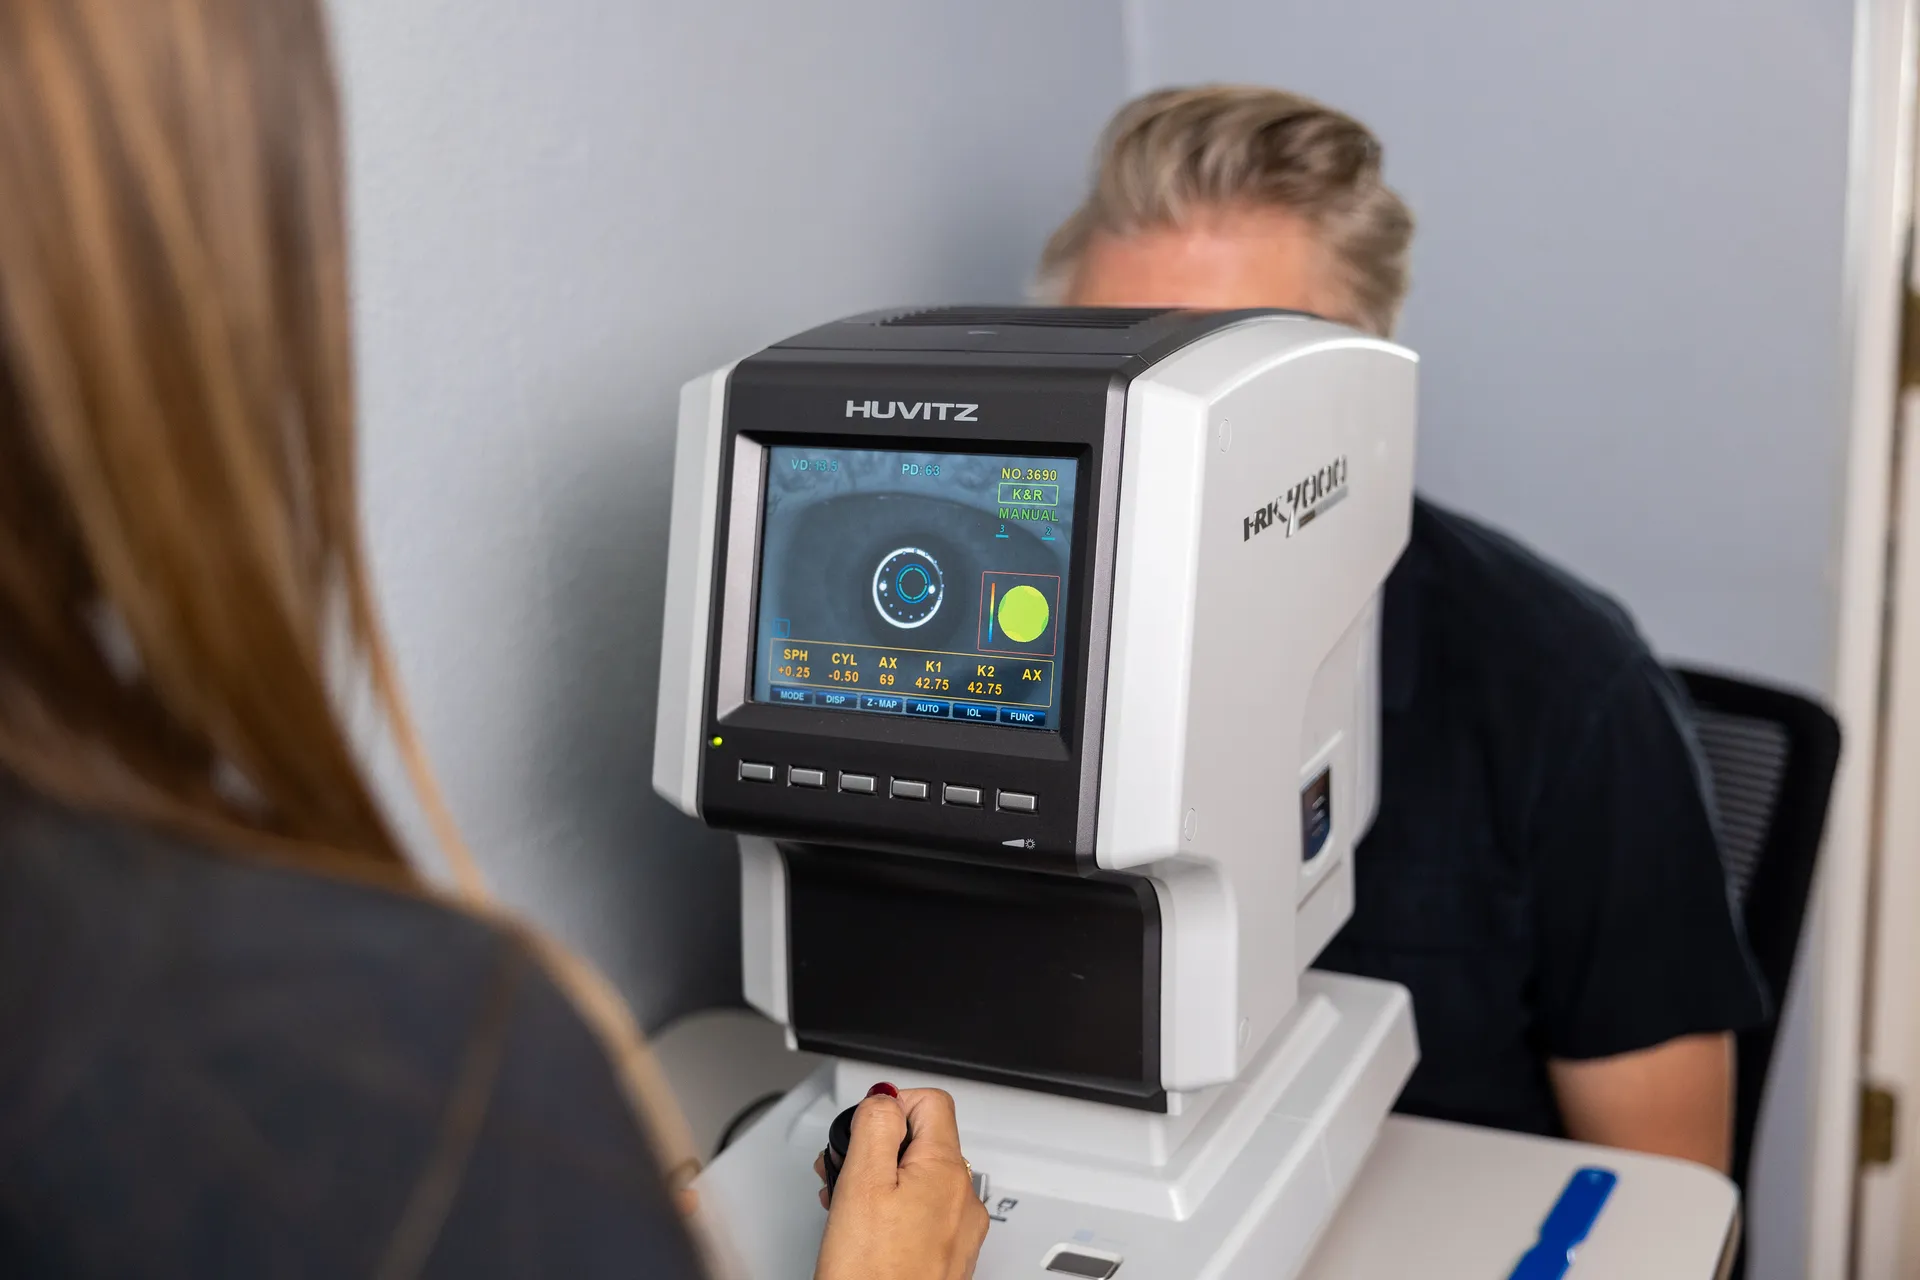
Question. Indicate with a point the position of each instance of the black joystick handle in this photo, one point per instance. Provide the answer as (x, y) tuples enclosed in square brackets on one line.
[(839, 1138)]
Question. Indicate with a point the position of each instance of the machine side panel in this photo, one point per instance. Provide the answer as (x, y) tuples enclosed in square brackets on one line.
[(689, 598), (1266, 493), (1308, 506), (1199, 1017), (1156, 555), (763, 928)]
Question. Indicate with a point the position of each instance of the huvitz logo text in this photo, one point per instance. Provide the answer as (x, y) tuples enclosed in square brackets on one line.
[(1302, 503), (924, 409)]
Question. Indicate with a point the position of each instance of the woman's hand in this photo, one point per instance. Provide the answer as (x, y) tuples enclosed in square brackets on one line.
[(917, 1219)]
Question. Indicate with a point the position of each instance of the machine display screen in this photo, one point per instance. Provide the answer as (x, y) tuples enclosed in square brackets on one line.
[(917, 584)]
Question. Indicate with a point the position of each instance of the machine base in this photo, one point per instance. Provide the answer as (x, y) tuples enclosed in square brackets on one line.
[(1247, 1195)]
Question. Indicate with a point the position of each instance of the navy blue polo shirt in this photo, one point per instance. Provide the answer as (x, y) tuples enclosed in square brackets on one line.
[(1543, 874)]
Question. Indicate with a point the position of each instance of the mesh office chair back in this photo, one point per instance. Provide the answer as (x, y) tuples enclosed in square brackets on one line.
[(1771, 757)]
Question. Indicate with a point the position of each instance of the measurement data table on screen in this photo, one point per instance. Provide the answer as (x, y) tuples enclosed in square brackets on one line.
[(914, 682)]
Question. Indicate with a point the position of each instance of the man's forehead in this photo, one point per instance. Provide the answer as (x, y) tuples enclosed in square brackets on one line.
[(1228, 258)]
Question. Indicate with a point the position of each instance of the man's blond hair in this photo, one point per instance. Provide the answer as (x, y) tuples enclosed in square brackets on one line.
[(1170, 153)]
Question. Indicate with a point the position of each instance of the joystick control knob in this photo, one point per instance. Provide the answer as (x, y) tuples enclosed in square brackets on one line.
[(839, 1138)]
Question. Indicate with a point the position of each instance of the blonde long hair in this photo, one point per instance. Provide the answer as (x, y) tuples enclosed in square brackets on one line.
[(182, 569)]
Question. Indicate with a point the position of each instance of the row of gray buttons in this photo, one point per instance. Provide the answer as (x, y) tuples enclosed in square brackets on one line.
[(865, 784)]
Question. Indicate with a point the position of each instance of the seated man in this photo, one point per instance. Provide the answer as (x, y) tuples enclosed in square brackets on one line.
[(1543, 875)]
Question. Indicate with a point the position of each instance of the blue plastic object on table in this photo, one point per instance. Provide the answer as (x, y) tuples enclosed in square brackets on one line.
[(1567, 1225)]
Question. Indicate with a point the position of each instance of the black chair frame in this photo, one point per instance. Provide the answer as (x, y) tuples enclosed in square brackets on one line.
[(1771, 756)]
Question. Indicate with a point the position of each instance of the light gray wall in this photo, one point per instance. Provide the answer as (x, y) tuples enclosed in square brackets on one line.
[(1628, 303), (1628, 277), (1628, 306), (562, 210)]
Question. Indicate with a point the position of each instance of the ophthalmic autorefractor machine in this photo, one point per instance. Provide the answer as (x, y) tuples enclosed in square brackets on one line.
[(1033, 654)]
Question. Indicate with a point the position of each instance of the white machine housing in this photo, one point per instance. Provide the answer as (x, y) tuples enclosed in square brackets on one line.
[(1264, 492)]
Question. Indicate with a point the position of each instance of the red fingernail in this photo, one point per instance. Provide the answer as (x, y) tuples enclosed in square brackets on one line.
[(883, 1087)]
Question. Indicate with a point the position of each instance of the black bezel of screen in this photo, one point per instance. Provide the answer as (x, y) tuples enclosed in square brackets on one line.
[(1063, 679), (1057, 408)]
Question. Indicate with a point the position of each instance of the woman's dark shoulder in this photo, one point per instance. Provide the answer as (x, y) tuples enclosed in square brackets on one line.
[(117, 915), (243, 1068)]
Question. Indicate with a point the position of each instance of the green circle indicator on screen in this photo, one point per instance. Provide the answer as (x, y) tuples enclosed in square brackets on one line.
[(1023, 614)]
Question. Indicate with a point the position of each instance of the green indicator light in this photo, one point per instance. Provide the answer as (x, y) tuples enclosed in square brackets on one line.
[(715, 741)]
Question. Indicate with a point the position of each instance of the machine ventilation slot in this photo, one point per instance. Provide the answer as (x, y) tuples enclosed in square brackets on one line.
[(1030, 317)]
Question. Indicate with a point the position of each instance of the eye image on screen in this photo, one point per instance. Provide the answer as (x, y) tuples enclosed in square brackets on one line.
[(915, 584)]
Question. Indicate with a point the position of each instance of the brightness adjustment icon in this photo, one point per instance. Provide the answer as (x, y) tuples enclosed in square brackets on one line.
[(908, 588)]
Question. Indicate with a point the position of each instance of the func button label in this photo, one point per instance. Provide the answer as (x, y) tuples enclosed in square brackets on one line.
[(1024, 717)]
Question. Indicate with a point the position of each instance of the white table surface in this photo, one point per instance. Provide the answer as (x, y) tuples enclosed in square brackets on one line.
[(1441, 1201)]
